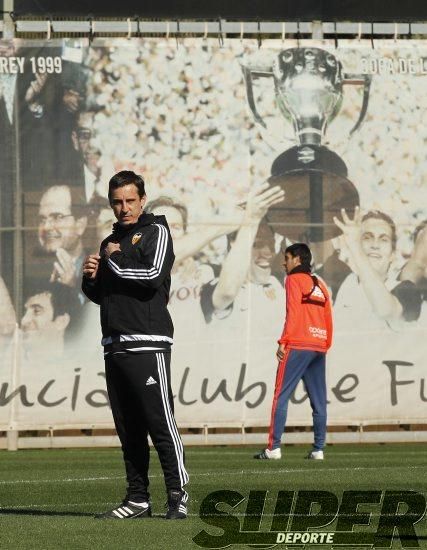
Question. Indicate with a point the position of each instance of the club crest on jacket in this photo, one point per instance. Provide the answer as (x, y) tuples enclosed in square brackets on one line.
[(136, 238)]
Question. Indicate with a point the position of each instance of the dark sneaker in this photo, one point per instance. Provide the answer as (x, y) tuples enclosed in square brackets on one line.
[(177, 504), (266, 454), (126, 510)]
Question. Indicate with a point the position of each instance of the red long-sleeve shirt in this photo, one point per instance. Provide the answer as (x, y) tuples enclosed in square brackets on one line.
[(308, 322)]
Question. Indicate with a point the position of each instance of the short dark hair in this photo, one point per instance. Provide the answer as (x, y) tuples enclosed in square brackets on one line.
[(126, 177), (170, 203), (302, 251), (378, 215), (64, 299)]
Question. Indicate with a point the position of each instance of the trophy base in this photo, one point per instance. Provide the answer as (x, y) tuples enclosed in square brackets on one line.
[(316, 188)]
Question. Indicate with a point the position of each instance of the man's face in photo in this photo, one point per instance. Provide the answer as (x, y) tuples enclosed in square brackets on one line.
[(40, 328), (58, 228), (262, 256), (377, 244), (85, 140), (38, 314), (7, 48)]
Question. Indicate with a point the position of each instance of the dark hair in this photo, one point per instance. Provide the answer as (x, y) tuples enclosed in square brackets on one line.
[(302, 251), (378, 215), (126, 177), (170, 203), (64, 299)]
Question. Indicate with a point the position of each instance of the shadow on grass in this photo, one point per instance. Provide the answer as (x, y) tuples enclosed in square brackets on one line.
[(53, 513), (32, 512)]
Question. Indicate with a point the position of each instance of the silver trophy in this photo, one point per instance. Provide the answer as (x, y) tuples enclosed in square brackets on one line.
[(308, 84)]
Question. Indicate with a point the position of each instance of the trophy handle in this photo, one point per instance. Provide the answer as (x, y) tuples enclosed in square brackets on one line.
[(249, 74), (359, 80)]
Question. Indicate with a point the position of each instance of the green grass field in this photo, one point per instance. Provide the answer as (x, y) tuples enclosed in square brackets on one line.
[(48, 497)]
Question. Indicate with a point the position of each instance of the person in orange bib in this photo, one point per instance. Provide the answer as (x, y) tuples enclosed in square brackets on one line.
[(306, 337)]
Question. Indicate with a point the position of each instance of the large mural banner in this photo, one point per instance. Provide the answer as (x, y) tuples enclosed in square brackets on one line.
[(245, 150)]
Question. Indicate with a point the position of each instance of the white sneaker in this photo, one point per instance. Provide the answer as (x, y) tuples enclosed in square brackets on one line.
[(266, 454), (315, 455)]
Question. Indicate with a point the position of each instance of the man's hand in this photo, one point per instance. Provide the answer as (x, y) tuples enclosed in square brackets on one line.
[(280, 353), (64, 270), (351, 238), (90, 266), (35, 87), (110, 248), (230, 216), (352, 229), (259, 201)]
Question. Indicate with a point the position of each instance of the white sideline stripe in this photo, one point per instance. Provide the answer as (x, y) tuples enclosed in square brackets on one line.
[(66, 480), (179, 451), (132, 273), (336, 454), (216, 474)]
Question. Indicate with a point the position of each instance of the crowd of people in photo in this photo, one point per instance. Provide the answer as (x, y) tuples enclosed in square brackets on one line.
[(178, 116)]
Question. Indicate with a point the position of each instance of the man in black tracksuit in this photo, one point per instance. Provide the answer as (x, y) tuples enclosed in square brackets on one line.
[(130, 280)]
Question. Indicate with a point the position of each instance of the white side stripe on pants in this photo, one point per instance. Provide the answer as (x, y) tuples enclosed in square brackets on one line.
[(170, 419)]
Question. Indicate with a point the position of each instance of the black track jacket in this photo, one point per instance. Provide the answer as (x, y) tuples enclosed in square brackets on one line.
[(132, 286)]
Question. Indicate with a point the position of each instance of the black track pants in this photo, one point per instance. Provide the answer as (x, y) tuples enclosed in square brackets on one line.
[(141, 401)]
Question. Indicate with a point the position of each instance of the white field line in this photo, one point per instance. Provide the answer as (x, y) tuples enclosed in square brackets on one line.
[(65, 480), (336, 454), (215, 474)]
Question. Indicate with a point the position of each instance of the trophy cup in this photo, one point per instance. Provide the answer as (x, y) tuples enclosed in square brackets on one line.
[(308, 84)]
